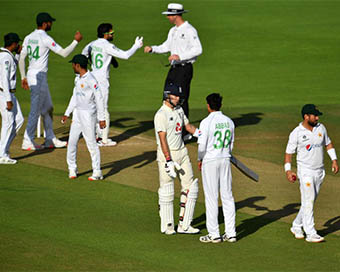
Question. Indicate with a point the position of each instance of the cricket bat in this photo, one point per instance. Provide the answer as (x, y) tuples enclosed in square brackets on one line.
[(244, 169)]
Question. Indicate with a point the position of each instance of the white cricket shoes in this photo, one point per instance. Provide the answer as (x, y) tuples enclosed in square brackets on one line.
[(96, 175), (7, 160), (72, 174), (226, 238), (31, 146), (209, 239), (314, 238), (108, 143), (298, 233), (55, 143), (189, 230)]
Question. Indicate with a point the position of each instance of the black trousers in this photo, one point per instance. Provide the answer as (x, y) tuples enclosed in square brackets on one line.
[(181, 76)]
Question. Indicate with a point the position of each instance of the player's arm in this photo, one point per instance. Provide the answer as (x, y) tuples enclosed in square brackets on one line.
[(291, 176), (116, 52), (99, 104), (64, 52), (23, 55), (202, 143), (195, 47), (70, 108), (332, 154), (290, 150), (159, 49), (164, 145), (5, 68)]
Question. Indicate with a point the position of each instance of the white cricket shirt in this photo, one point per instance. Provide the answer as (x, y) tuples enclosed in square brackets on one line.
[(308, 145), (171, 121), (86, 96), (101, 54), (8, 68), (37, 46), (182, 41), (216, 139)]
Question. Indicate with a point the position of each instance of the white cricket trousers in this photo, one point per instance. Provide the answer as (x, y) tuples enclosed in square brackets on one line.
[(216, 178), (83, 122), (11, 123), (310, 183), (41, 104), (104, 88)]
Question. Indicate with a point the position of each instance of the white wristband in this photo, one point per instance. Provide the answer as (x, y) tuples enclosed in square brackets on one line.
[(332, 154), (288, 166)]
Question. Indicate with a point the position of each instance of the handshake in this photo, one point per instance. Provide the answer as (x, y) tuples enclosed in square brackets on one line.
[(170, 168)]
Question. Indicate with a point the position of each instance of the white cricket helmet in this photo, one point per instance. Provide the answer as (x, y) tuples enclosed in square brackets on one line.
[(174, 9)]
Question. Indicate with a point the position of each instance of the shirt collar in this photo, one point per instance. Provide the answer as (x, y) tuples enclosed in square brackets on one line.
[(314, 128), (5, 49), (85, 75), (182, 25)]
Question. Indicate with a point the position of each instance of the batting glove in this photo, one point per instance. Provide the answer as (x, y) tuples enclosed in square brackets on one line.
[(139, 42), (170, 169)]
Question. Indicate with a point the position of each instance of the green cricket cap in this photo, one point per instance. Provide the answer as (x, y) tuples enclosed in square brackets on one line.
[(80, 59), (44, 17), (11, 38), (310, 109)]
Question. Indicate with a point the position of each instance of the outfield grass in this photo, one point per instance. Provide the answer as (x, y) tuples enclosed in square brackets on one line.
[(266, 57), (53, 224)]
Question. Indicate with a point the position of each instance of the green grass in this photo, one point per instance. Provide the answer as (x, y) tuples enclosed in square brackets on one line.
[(266, 57), (56, 224)]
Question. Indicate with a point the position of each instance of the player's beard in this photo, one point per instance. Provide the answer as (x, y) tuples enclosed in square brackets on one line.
[(312, 124), (110, 39)]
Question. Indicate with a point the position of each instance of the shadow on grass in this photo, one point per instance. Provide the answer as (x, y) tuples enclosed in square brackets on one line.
[(251, 225), (332, 225), (132, 130), (35, 153), (117, 166), (247, 119)]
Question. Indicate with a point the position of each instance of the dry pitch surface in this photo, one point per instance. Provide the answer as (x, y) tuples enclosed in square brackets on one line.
[(132, 162)]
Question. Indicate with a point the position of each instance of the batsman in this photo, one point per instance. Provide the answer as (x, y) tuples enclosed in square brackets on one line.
[(173, 160)]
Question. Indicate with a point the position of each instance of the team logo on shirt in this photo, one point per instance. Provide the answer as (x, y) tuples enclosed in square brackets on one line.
[(320, 134), (182, 36), (53, 44), (308, 184), (95, 86), (178, 127), (82, 85), (309, 147)]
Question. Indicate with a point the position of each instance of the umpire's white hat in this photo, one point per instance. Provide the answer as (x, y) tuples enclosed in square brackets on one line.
[(174, 9)]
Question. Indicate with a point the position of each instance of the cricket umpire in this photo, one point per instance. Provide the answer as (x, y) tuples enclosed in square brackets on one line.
[(172, 155), (184, 46), (308, 139)]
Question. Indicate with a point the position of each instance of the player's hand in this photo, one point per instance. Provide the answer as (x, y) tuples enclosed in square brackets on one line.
[(24, 84), (170, 169), (78, 37), (9, 105), (335, 167), (18, 49), (291, 176), (63, 119), (114, 62), (199, 165), (173, 57), (139, 42), (102, 124), (147, 49)]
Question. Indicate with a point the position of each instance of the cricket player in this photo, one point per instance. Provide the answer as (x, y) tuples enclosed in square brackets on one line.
[(37, 46), (308, 140), (215, 145), (184, 46), (102, 53), (86, 104), (173, 159), (12, 118)]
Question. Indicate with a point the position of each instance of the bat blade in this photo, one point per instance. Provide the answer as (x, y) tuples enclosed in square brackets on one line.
[(244, 169)]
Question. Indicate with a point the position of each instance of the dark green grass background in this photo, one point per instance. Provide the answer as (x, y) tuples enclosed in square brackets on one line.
[(266, 57)]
